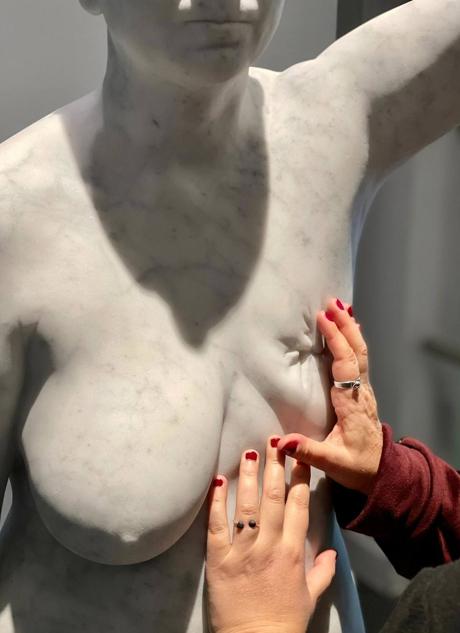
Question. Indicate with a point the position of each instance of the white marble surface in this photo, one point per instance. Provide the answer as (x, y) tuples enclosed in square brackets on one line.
[(165, 244)]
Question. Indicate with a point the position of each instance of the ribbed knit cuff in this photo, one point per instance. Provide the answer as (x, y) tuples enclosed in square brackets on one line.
[(377, 514)]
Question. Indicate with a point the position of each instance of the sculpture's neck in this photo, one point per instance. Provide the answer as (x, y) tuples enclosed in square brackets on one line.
[(150, 111)]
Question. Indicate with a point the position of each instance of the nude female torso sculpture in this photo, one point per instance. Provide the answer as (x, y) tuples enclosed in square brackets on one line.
[(162, 267)]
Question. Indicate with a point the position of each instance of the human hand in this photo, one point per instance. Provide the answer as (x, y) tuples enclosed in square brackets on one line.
[(350, 454), (257, 582)]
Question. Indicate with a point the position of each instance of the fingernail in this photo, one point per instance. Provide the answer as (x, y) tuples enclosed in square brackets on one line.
[(251, 455), (340, 305), (274, 442), (350, 311), (329, 315), (302, 464), (218, 482), (290, 447)]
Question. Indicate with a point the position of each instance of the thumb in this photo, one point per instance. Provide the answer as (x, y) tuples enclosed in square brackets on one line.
[(318, 454), (320, 576)]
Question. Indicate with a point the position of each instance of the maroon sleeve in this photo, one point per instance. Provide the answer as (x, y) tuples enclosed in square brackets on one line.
[(413, 511)]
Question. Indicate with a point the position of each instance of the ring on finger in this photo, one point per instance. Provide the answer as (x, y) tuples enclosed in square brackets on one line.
[(252, 523), (348, 384)]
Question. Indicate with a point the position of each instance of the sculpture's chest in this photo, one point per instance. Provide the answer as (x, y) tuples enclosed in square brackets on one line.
[(128, 298)]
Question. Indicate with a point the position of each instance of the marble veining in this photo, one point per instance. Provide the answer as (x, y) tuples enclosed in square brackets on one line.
[(165, 244)]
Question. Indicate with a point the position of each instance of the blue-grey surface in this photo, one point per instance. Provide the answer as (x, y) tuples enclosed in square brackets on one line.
[(34, 442)]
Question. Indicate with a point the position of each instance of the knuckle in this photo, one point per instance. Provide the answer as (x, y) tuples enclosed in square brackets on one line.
[(339, 399), (248, 509), (363, 351), (348, 356), (300, 499), (275, 495), (293, 552), (303, 451), (217, 528), (342, 410)]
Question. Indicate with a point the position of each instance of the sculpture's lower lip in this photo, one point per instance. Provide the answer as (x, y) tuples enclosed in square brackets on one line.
[(221, 34), (215, 47)]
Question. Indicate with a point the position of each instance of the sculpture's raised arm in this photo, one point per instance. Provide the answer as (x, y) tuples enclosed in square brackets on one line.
[(406, 65)]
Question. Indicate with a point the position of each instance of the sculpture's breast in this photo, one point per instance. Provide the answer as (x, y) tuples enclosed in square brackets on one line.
[(287, 367), (122, 441), (306, 258)]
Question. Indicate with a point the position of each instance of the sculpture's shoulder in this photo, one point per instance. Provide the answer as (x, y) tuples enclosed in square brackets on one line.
[(313, 93), (263, 76), (39, 167), (319, 81), (35, 160), (312, 85), (262, 85), (38, 178), (27, 180)]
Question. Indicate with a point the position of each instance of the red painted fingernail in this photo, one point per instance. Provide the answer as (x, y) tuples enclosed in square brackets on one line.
[(218, 482), (329, 315), (290, 447), (350, 311), (340, 304), (252, 455), (274, 442)]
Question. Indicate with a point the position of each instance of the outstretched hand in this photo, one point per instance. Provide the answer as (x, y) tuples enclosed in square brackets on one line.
[(257, 581), (350, 454)]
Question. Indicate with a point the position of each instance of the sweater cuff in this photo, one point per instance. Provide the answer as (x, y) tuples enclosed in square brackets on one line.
[(374, 515)]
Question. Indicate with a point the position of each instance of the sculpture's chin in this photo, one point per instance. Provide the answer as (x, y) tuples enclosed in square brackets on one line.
[(215, 65)]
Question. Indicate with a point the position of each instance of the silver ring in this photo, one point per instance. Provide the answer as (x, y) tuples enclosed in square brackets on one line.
[(348, 384)]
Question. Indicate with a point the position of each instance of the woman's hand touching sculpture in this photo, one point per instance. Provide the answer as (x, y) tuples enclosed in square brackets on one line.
[(351, 452), (257, 581), (194, 211)]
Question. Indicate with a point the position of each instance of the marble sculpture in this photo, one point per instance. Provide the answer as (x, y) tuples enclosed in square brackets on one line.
[(165, 244)]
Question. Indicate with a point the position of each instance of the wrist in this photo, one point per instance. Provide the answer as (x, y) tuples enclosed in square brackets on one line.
[(264, 627), (260, 628), (370, 469)]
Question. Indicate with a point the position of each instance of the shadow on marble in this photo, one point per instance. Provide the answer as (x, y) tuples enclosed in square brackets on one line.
[(196, 240), (86, 594)]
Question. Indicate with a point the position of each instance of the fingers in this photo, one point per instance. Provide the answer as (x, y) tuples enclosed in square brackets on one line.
[(247, 498), (273, 495), (310, 452), (320, 576), (345, 364), (339, 314), (297, 508), (218, 544)]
